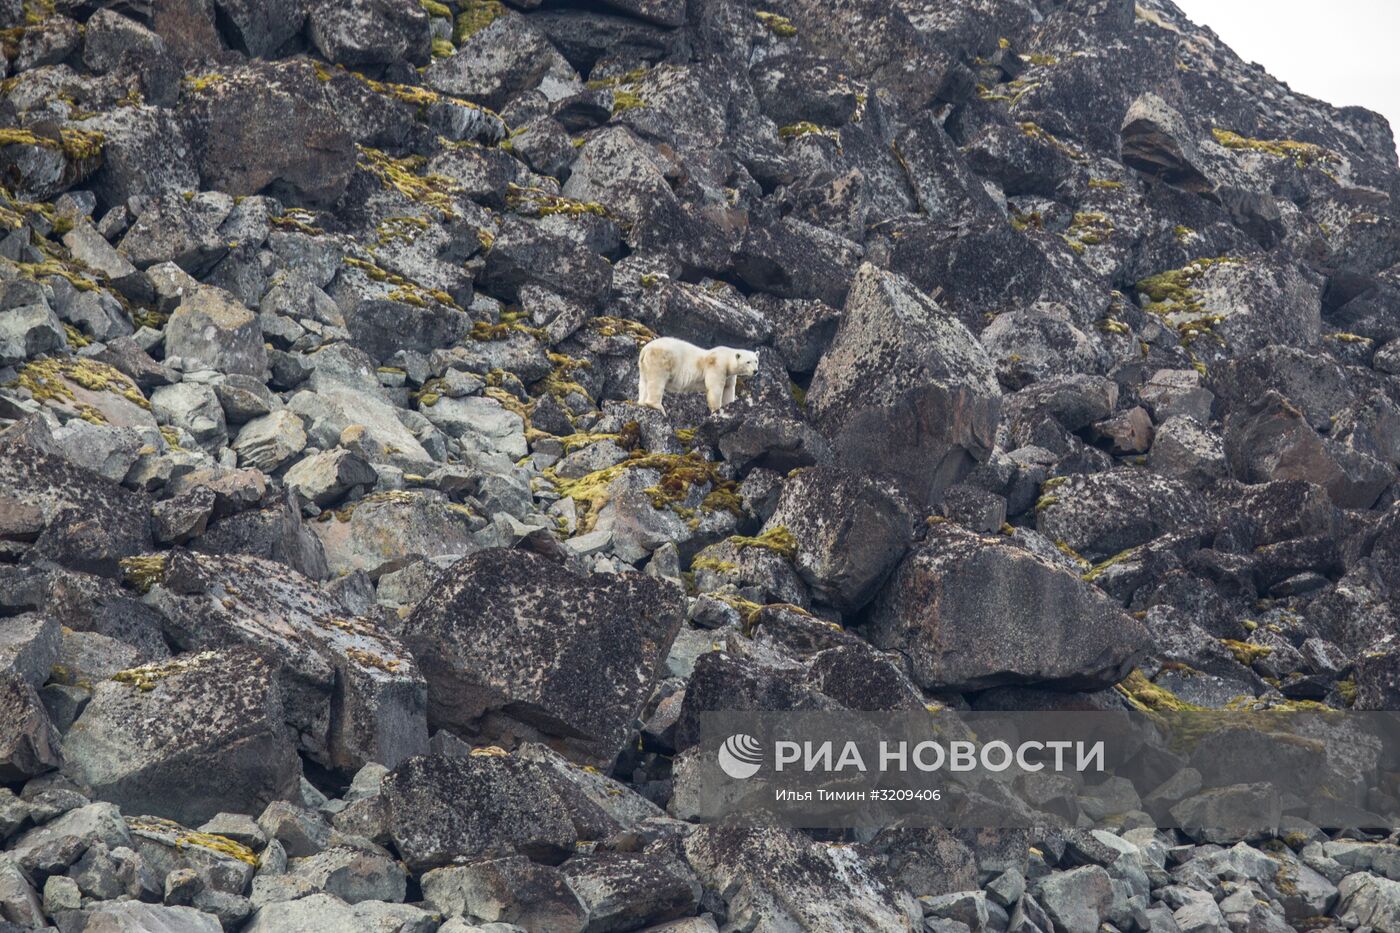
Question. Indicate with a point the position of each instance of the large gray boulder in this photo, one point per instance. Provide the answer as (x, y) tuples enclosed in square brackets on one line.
[(776, 879), (905, 390), (211, 330), (1103, 514), (186, 739), (349, 689), (849, 532), (973, 611), (29, 744), (385, 531), (443, 809), (513, 643), (511, 889)]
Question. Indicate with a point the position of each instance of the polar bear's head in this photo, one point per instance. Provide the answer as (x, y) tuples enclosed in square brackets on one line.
[(745, 363)]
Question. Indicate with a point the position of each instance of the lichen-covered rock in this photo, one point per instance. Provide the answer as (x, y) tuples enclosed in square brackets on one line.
[(510, 890), (1185, 451), (1104, 514), (449, 808), (348, 688), (848, 532), (270, 127), (270, 441), (369, 32), (261, 29), (89, 523), (905, 390), (1270, 439), (211, 330), (775, 879), (506, 57), (512, 643), (972, 611), (382, 328), (384, 531), (185, 739), (622, 891), (136, 917), (325, 913), (29, 744), (324, 477)]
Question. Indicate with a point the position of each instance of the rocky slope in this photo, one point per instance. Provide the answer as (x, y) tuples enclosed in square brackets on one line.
[(343, 589)]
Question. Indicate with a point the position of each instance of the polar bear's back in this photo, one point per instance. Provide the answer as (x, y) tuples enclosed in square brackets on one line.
[(681, 361)]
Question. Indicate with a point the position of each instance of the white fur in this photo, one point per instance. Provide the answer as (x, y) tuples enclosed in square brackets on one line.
[(670, 365)]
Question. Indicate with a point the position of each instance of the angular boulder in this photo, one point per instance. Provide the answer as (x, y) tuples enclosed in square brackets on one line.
[(29, 744), (905, 390), (443, 809), (512, 642), (972, 612), (270, 127), (186, 739), (777, 879), (849, 532), (349, 689), (212, 330), (1103, 514)]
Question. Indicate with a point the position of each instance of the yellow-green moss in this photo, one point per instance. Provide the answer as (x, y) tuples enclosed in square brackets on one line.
[(539, 203), (1009, 93), (297, 219), (185, 838), (1246, 652), (443, 48), (1173, 296), (432, 190), (143, 572), (405, 290), (1089, 228), (204, 82), (476, 15), (1105, 183), (777, 24), (608, 326), (1041, 135), (714, 564), (78, 145), (778, 539), (679, 474), (560, 382), (76, 338), (1145, 696), (47, 380), (627, 100), (1119, 558), (486, 332), (400, 229), (807, 128), (433, 8), (1304, 155)]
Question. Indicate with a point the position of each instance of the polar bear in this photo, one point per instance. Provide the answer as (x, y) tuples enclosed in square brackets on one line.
[(667, 364)]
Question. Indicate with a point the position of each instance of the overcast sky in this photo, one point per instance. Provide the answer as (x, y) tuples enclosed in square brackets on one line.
[(1341, 51)]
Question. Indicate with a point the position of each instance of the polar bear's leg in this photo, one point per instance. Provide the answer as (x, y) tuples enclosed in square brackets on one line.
[(729, 385), (651, 380), (715, 380)]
